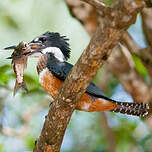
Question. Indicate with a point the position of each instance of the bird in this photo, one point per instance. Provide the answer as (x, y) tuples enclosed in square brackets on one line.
[(53, 51)]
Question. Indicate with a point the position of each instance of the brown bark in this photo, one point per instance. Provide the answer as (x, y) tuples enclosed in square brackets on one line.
[(121, 65), (148, 3), (109, 133), (85, 13), (127, 71), (144, 54), (146, 15), (127, 74), (85, 69), (147, 21)]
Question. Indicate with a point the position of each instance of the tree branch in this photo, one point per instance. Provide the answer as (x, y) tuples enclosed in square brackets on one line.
[(148, 3), (83, 72), (146, 15), (144, 54), (109, 133), (85, 13), (98, 4), (127, 74)]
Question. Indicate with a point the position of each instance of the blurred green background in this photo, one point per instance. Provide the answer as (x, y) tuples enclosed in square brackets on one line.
[(22, 116)]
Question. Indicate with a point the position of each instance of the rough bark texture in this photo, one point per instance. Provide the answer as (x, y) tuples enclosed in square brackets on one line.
[(120, 65), (116, 21), (127, 74), (144, 54), (147, 21)]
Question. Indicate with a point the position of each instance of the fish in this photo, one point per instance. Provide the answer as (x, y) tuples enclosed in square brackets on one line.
[(19, 63)]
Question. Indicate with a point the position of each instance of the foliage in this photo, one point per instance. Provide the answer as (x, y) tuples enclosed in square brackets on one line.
[(22, 116)]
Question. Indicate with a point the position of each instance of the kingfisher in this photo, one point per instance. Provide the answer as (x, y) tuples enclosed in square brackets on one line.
[(53, 51)]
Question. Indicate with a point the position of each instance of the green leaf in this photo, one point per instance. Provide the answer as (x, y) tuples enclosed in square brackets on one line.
[(29, 142), (4, 77), (4, 68), (139, 66), (107, 2), (2, 149)]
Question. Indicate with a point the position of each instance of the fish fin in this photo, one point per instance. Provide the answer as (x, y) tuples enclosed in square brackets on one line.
[(20, 86), (10, 47)]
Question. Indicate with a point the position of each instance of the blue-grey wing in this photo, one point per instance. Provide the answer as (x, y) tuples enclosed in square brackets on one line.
[(61, 71)]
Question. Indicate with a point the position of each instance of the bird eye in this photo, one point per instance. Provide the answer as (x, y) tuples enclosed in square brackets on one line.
[(42, 39)]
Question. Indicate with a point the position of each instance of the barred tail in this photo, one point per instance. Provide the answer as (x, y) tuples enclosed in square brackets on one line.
[(136, 109)]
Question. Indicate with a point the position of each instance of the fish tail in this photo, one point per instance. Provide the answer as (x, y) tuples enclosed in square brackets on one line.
[(20, 86)]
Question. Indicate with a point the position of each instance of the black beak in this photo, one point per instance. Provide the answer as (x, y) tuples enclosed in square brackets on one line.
[(35, 45), (32, 45), (10, 47)]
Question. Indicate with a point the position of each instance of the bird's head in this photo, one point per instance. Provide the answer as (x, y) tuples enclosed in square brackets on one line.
[(51, 44)]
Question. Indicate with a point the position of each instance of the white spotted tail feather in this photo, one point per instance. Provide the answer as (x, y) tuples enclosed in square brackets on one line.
[(135, 109)]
